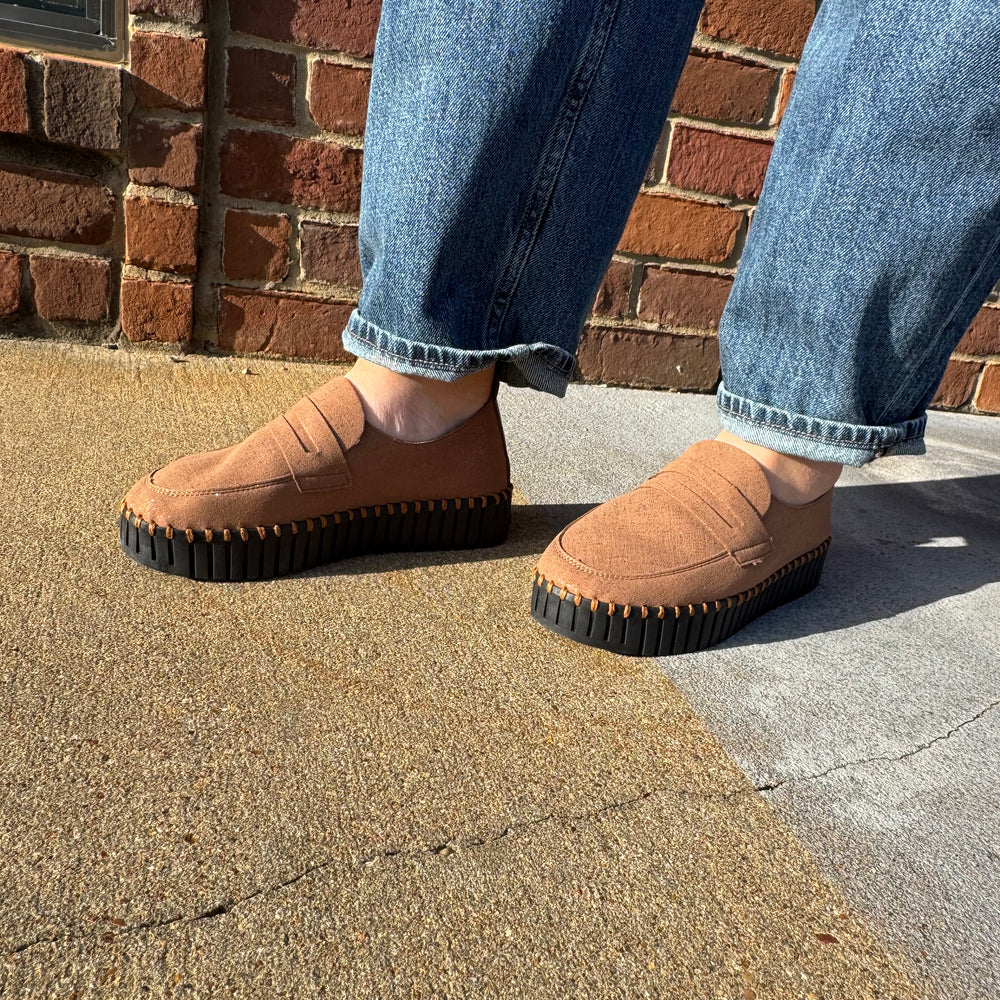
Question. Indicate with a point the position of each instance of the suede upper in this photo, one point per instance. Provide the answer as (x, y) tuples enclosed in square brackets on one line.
[(704, 529), (317, 459)]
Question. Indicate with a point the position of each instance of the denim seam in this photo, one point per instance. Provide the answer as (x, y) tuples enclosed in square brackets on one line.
[(404, 357), (550, 168), (499, 353), (791, 432), (933, 345)]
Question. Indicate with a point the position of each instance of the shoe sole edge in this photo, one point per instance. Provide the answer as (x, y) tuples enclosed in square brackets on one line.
[(670, 630), (266, 553)]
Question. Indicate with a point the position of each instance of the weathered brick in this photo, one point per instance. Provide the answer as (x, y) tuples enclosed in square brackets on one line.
[(780, 26), (11, 267), (53, 206), (665, 226), (615, 291), (338, 25), (168, 71), (271, 167), (330, 253), (291, 325), (256, 246), (71, 288), (338, 97), (638, 357), (83, 103), (958, 383), (983, 335), (157, 310), (724, 89), (684, 299), (161, 235), (261, 85), (165, 153), (988, 397), (785, 92), (727, 165), (13, 92), (183, 11)]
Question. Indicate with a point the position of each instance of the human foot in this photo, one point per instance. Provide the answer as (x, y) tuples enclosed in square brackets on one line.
[(315, 485), (792, 480), (413, 408), (684, 560)]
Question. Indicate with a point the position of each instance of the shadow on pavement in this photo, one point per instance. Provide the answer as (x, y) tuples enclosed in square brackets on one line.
[(896, 547)]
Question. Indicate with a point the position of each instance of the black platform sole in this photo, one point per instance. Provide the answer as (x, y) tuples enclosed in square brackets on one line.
[(658, 631), (265, 553)]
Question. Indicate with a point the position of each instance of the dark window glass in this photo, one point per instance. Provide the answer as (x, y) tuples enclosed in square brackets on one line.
[(78, 23)]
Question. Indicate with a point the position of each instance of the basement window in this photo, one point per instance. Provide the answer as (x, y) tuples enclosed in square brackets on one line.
[(90, 26)]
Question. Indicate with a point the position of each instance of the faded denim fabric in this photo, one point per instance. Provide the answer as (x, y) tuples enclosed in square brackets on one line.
[(507, 140), (505, 144), (877, 237)]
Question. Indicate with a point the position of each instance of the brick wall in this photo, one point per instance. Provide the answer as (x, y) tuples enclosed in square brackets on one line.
[(204, 194)]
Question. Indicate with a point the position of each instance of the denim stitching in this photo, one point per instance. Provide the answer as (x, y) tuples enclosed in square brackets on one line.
[(552, 160), (837, 442)]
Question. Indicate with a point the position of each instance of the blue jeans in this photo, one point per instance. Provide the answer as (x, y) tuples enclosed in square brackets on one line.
[(506, 143)]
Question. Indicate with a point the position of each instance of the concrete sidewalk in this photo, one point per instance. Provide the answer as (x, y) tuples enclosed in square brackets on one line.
[(381, 779)]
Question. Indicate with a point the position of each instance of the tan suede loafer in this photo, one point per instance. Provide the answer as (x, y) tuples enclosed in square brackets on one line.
[(316, 485), (683, 561)]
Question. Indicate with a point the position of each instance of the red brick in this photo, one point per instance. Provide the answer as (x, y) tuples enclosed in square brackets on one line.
[(338, 97), (71, 288), (168, 71), (297, 326), (713, 163), (83, 103), (271, 167), (658, 360), (157, 310), (958, 383), (725, 90), (683, 299), (983, 335), (665, 226), (11, 266), (256, 246), (780, 26), (161, 235), (165, 153), (330, 253), (988, 397), (184, 11), (261, 85), (785, 92), (13, 92), (615, 291), (337, 25), (52, 206)]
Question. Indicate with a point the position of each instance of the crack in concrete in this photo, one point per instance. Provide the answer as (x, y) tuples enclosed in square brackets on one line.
[(441, 849), (880, 758), (453, 846)]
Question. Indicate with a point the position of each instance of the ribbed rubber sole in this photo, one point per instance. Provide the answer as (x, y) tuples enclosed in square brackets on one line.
[(665, 631), (265, 553)]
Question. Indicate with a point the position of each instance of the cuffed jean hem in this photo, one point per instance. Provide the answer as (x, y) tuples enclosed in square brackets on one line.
[(537, 366), (814, 438)]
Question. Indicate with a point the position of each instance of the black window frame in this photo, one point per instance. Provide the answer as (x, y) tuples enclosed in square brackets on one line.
[(96, 33)]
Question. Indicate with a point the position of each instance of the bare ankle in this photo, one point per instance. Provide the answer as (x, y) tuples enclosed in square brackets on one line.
[(793, 481), (414, 408)]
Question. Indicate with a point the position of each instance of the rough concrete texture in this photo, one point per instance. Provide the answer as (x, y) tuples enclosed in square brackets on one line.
[(866, 712), (379, 779)]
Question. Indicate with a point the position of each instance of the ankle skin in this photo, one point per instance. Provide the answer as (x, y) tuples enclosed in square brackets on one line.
[(413, 408), (794, 481)]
